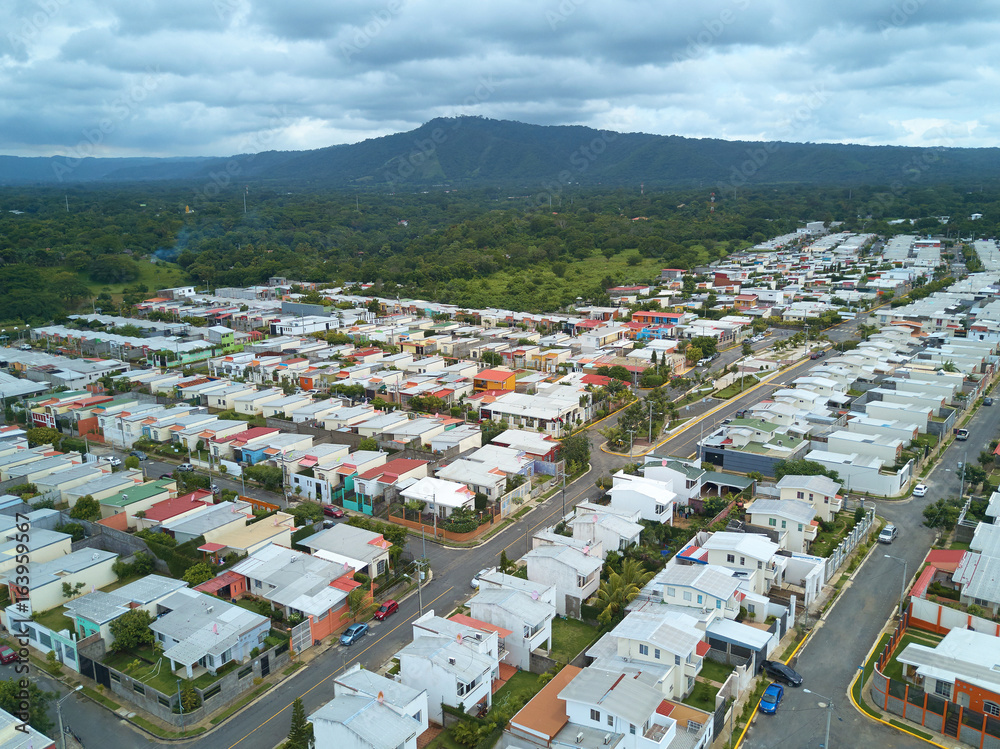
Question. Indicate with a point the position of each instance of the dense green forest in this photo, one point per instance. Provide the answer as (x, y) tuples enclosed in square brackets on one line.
[(473, 247), (476, 151)]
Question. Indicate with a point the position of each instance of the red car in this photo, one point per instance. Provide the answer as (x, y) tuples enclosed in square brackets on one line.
[(7, 655), (332, 511), (386, 609)]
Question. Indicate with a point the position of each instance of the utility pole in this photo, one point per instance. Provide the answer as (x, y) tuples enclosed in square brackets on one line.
[(62, 733), (650, 422), (564, 492), (829, 712)]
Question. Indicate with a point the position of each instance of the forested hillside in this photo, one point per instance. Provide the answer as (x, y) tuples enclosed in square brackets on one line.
[(475, 247), (476, 152)]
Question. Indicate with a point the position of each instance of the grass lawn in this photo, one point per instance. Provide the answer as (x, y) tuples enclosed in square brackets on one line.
[(702, 697), (445, 740), (158, 275), (958, 546), (569, 637), (54, 619), (121, 583), (715, 671), (826, 541), (520, 688), (744, 383)]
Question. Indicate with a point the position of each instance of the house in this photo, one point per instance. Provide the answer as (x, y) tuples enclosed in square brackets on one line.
[(683, 478), (754, 558), (252, 403), (526, 620), (652, 499), (541, 447), (400, 698), (629, 713), (208, 521), (39, 543), (440, 497), (93, 613), (480, 478), (667, 644), (300, 585), (374, 483), (174, 509), (137, 499), (46, 581), (959, 669), (698, 586), (791, 518), (362, 550), (15, 733), (819, 491), (574, 574), (614, 529), (454, 663), (246, 538), (494, 379), (201, 630), (355, 721), (103, 486)]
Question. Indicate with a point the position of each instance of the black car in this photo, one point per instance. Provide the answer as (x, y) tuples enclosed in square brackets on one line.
[(780, 672)]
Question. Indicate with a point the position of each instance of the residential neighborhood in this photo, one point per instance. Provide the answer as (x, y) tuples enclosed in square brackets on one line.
[(477, 525)]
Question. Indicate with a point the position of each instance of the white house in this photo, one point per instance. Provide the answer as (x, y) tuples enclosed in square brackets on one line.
[(791, 518), (453, 670), (819, 491), (753, 556), (524, 615), (613, 528), (355, 721), (698, 586), (575, 575), (684, 478), (653, 499)]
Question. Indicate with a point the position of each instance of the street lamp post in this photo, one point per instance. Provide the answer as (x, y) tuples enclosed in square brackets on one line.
[(829, 712), (62, 734), (902, 586)]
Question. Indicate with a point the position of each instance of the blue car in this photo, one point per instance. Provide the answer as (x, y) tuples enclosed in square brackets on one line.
[(772, 698), (353, 633)]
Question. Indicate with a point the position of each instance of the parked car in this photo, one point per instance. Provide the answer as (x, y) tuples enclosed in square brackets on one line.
[(920, 490), (113, 460), (353, 633), (888, 535), (772, 698), (138, 454), (475, 580), (333, 512), (987, 401), (166, 475), (816, 355), (7, 655), (185, 468), (214, 488), (386, 609), (780, 672)]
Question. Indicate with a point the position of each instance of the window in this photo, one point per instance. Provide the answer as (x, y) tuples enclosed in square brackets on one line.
[(687, 595), (700, 598), (772, 521), (800, 495), (784, 524), (595, 715), (800, 527), (810, 497), (743, 560), (677, 660), (671, 592), (644, 650), (631, 728), (611, 719), (658, 510), (991, 708), (718, 603), (942, 688), (760, 565), (656, 654), (730, 558)]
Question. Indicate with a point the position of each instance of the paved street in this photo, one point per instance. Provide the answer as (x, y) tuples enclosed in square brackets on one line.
[(830, 659), (266, 722)]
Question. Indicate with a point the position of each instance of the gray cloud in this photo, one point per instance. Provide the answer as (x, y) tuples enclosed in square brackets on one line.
[(214, 77)]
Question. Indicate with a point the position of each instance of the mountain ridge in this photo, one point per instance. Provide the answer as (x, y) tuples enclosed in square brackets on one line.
[(476, 150)]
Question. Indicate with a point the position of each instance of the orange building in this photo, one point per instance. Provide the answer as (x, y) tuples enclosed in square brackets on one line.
[(494, 379)]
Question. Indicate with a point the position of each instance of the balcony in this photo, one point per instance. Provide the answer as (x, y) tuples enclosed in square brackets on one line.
[(661, 731)]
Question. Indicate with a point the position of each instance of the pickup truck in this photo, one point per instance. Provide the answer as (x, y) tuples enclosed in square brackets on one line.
[(961, 434)]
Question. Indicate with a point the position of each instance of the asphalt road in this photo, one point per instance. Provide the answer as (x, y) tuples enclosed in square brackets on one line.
[(266, 722), (829, 661)]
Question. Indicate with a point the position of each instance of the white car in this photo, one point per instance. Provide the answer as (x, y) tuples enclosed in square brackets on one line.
[(920, 490), (475, 580), (112, 460)]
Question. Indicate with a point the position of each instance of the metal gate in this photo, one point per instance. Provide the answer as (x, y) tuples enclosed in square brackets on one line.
[(301, 637), (265, 666)]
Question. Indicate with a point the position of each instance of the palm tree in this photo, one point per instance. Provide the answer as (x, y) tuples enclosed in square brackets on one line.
[(620, 588)]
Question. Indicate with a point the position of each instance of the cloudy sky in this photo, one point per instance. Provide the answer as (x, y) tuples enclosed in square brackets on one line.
[(216, 77)]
